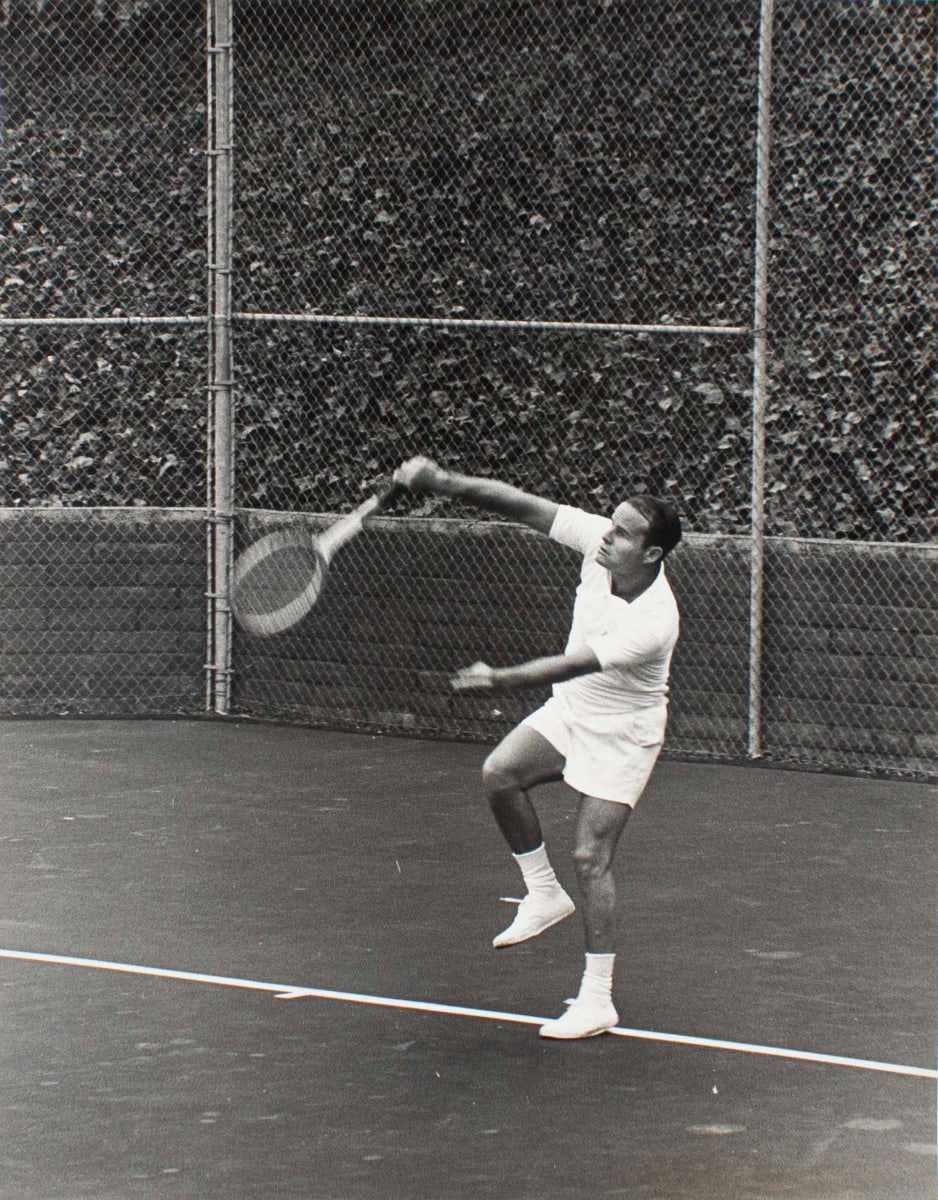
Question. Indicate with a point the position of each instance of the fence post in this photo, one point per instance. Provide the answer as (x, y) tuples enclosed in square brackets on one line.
[(760, 378), (220, 359)]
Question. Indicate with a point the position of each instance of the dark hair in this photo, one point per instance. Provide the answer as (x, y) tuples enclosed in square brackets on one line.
[(664, 525)]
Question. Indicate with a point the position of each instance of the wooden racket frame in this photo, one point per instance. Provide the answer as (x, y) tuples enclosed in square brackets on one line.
[(325, 546)]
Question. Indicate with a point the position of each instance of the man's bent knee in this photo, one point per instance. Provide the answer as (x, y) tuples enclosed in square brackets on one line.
[(498, 777), (599, 828), (591, 860), (520, 761)]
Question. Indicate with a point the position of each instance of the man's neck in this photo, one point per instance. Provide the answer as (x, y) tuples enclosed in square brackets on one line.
[(631, 587)]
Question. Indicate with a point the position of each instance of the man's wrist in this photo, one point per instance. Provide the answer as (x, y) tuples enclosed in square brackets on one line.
[(445, 483)]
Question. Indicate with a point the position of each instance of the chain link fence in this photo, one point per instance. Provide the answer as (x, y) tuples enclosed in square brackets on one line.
[(538, 241), (102, 357), (851, 415)]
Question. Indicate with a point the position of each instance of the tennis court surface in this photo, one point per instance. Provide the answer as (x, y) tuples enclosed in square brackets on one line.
[(246, 960)]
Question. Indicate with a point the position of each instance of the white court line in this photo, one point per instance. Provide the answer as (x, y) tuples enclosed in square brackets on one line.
[(286, 991)]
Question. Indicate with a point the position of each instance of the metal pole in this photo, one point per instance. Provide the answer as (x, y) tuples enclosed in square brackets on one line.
[(220, 103), (760, 379), (209, 361)]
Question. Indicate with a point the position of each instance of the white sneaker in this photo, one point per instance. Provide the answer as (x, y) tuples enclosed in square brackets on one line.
[(585, 1017), (535, 914)]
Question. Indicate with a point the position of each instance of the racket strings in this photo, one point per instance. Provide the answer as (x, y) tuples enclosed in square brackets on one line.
[(276, 582)]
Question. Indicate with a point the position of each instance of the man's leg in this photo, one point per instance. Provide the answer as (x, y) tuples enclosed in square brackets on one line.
[(522, 760), (599, 826)]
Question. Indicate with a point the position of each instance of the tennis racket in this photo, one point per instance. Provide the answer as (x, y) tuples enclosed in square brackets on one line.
[(277, 579)]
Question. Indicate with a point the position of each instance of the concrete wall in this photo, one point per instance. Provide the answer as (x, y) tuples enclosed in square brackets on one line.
[(103, 611), (849, 644)]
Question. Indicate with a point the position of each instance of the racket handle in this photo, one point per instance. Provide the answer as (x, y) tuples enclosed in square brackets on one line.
[(348, 527)]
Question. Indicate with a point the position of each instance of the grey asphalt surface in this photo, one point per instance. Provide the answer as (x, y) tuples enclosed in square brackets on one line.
[(771, 908)]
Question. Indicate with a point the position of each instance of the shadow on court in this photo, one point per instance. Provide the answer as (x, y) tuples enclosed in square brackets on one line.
[(767, 909)]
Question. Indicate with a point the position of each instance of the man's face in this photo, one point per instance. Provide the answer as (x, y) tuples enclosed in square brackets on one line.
[(623, 549)]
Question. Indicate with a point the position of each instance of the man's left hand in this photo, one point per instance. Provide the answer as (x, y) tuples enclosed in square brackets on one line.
[(479, 677)]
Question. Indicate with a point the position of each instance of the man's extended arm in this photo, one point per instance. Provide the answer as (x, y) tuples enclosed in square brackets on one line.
[(424, 475), (537, 672)]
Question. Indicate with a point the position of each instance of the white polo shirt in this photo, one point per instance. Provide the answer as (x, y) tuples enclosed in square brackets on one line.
[(633, 640)]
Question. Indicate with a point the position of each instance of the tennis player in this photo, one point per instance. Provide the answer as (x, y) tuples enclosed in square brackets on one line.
[(602, 728)]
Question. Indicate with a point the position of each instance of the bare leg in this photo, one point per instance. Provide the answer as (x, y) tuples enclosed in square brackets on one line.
[(519, 762), (599, 826), (522, 760)]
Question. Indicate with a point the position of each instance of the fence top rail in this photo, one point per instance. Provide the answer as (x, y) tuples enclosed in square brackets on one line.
[(17, 322), (362, 319), (493, 323), (117, 514)]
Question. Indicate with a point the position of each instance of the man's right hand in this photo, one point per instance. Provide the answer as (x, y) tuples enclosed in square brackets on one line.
[(420, 475), (424, 475)]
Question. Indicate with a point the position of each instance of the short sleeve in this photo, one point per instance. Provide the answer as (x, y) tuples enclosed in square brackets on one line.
[(630, 643), (578, 529)]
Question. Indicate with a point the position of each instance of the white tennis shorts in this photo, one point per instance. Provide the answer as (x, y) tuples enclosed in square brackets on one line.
[(610, 757)]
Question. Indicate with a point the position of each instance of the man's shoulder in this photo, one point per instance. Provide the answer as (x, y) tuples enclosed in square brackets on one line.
[(577, 528)]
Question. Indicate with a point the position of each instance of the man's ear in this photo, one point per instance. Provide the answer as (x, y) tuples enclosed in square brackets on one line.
[(652, 554)]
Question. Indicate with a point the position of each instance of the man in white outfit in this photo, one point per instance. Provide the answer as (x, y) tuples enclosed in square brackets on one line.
[(602, 729)]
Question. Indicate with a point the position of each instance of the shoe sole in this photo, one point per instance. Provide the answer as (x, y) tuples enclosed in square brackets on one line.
[(500, 945), (576, 1037)]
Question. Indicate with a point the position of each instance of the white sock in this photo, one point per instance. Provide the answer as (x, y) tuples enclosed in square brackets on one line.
[(597, 977), (537, 871)]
